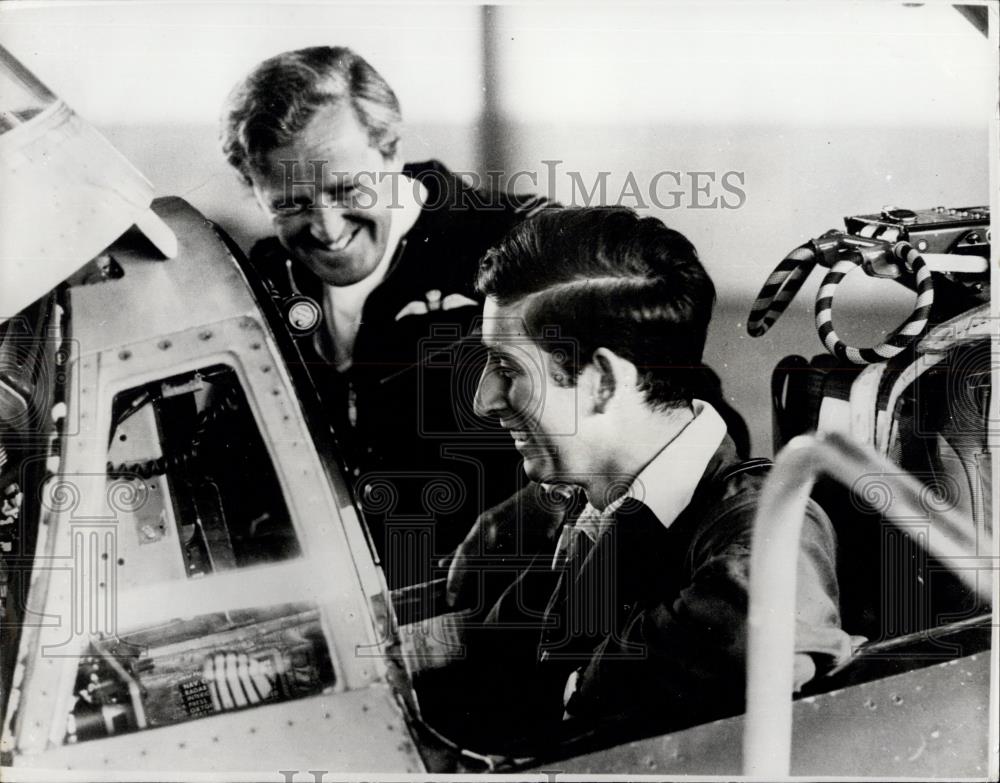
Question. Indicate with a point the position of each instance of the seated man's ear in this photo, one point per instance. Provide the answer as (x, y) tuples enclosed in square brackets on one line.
[(612, 376)]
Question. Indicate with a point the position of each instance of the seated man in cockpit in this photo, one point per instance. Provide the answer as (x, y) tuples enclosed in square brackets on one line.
[(595, 321)]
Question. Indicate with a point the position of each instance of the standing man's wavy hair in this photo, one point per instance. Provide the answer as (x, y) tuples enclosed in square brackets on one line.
[(276, 101), (605, 277)]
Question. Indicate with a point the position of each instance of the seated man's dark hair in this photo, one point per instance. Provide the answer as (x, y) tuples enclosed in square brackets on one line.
[(605, 277), (276, 101)]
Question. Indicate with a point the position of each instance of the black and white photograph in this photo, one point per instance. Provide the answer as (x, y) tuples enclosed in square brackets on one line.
[(541, 390)]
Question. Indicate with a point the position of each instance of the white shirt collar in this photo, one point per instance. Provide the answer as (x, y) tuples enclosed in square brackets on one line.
[(667, 484)]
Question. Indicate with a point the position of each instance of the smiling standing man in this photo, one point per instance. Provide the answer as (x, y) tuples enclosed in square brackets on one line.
[(595, 321), (389, 252)]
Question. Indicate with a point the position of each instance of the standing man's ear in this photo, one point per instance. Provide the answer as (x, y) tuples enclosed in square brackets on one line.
[(610, 376)]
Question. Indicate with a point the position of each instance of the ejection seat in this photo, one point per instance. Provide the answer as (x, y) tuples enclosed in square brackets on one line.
[(919, 399)]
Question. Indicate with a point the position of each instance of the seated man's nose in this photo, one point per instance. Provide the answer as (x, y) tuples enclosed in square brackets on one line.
[(489, 401)]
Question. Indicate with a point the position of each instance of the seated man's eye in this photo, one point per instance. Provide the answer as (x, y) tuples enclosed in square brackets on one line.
[(502, 366)]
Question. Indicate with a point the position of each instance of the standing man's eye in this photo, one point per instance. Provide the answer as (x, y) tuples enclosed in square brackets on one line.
[(286, 208), (345, 197)]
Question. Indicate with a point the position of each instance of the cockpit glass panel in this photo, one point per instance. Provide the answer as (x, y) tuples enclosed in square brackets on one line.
[(190, 668), (203, 493), (22, 96)]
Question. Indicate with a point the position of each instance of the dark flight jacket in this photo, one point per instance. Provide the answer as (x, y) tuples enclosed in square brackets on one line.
[(424, 465)]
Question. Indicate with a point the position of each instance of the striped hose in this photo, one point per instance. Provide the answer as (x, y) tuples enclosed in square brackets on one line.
[(779, 289), (896, 342)]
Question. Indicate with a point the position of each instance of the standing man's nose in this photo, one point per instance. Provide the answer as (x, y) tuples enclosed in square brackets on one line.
[(328, 224)]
